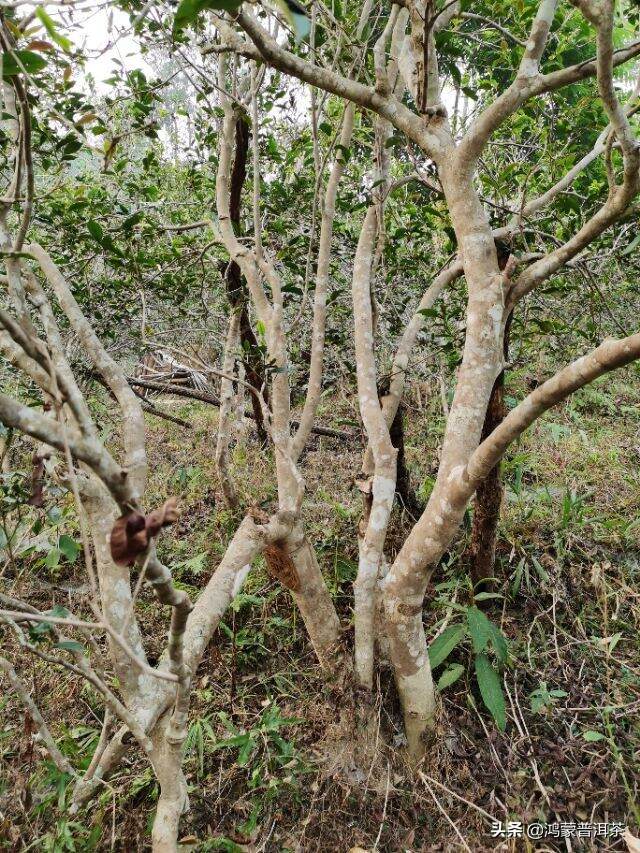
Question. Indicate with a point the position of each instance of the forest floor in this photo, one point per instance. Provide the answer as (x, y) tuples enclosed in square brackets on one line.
[(569, 586)]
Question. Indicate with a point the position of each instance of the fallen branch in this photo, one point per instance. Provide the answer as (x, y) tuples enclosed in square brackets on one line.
[(213, 400), (153, 410)]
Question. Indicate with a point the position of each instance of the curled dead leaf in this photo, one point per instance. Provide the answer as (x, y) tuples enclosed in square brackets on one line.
[(37, 479), (132, 532)]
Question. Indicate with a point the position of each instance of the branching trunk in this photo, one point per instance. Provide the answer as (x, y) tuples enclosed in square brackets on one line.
[(406, 583), (108, 484)]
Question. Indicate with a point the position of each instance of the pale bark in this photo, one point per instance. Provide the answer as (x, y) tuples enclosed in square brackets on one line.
[(133, 428), (405, 585), (400, 365), (115, 594), (226, 582), (158, 709), (225, 419), (314, 388), (173, 802), (431, 138), (515, 95), (312, 596), (314, 600), (375, 522)]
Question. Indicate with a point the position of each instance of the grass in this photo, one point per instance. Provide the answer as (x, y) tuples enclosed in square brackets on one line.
[(569, 569)]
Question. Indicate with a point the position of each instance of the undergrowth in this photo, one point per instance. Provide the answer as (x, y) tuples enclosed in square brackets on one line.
[(566, 599)]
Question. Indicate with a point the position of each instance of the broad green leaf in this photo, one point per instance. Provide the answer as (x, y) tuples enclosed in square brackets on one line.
[(49, 25), (70, 646), (479, 629), (245, 752), (491, 690), (69, 547), (95, 229), (230, 742), (297, 17), (38, 630), (53, 558), (30, 61), (443, 645), (188, 10), (592, 736), (451, 675)]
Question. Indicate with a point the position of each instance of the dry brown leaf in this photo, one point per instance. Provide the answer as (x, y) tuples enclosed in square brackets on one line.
[(38, 44), (633, 843)]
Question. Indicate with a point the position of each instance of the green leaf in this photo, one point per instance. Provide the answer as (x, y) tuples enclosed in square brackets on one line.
[(479, 629), (69, 547), (49, 25), (632, 245), (297, 17), (59, 611), (95, 229), (450, 675), (52, 559), (443, 645), (499, 643), (70, 646), (491, 690), (592, 736), (195, 564), (188, 10), (485, 596), (517, 578), (38, 631), (231, 742), (32, 62), (245, 752)]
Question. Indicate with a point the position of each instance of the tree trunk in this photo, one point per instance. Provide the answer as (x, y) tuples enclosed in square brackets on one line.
[(225, 420), (482, 548), (173, 802), (404, 489), (313, 599), (236, 290), (405, 585)]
